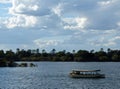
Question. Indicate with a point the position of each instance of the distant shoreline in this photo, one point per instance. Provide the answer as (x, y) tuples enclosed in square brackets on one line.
[(61, 56)]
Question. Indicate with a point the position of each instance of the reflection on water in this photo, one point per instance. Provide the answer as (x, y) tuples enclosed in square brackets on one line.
[(54, 75)]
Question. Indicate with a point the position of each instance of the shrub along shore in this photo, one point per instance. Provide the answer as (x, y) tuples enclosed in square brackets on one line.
[(4, 63)]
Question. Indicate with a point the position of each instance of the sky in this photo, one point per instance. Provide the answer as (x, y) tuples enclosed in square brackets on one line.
[(59, 24)]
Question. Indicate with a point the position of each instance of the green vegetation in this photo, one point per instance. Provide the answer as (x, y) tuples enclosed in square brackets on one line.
[(5, 63), (81, 55), (53, 55)]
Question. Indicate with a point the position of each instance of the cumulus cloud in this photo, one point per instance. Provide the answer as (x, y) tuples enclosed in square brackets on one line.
[(5, 1), (94, 39), (20, 21), (73, 14), (103, 42), (116, 40), (75, 23), (44, 43), (58, 9), (106, 3), (106, 38), (106, 42), (35, 14), (32, 7)]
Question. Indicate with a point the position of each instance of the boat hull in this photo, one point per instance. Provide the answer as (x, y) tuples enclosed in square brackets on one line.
[(72, 75)]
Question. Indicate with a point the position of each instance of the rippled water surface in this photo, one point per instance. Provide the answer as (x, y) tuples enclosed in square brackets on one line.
[(54, 75)]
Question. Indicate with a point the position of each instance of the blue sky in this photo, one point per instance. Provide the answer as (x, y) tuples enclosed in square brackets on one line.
[(59, 24)]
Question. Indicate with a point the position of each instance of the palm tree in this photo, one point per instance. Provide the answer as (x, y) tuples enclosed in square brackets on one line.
[(43, 51), (73, 51), (53, 51)]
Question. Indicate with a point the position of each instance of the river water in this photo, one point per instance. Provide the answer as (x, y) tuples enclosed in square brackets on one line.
[(55, 75)]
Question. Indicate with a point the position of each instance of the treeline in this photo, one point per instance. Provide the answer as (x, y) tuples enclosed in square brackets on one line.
[(53, 55)]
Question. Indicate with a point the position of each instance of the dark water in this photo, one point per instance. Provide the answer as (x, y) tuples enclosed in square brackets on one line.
[(54, 75)]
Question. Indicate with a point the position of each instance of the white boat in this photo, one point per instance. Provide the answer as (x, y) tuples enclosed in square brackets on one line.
[(86, 74)]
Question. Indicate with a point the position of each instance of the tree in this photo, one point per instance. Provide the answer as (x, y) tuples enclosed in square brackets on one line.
[(101, 56), (17, 50), (73, 51), (60, 53), (37, 51), (53, 51), (92, 51), (108, 50), (102, 49), (43, 51), (83, 55), (2, 54), (115, 57), (3, 63), (10, 55)]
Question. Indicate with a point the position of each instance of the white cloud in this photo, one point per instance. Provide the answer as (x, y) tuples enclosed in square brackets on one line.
[(75, 14), (44, 43), (58, 9), (24, 46), (71, 14), (115, 38), (111, 42), (30, 21), (103, 42), (106, 38), (32, 7), (118, 23), (75, 23), (94, 39), (22, 9), (5, 1), (21, 21), (107, 2)]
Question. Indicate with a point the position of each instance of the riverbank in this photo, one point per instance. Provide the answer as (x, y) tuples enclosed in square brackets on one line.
[(4, 63)]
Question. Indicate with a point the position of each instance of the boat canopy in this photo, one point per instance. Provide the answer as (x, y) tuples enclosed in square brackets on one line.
[(86, 70)]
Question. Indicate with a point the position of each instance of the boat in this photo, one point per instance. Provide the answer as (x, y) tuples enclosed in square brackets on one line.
[(86, 74)]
